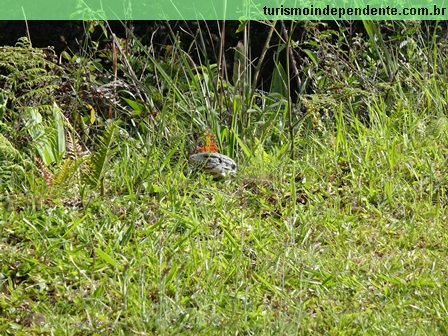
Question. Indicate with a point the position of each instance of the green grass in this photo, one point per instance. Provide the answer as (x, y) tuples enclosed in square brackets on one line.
[(348, 239)]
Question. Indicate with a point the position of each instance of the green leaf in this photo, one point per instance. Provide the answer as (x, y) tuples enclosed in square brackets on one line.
[(136, 106), (312, 56), (241, 26), (279, 78), (106, 257), (39, 133), (60, 132), (246, 150)]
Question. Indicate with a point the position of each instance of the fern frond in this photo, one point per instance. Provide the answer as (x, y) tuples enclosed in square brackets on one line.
[(66, 172), (103, 152), (23, 42), (32, 82), (12, 163), (74, 149), (7, 151), (71, 169), (30, 75), (37, 93)]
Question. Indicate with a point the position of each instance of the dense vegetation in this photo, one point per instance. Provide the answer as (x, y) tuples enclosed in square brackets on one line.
[(335, 223)]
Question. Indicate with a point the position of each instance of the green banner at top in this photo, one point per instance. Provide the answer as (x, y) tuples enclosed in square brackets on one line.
[(222, 10)]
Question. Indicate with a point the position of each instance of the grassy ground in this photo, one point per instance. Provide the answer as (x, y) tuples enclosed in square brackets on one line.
[(347, 238), (350, 238)]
